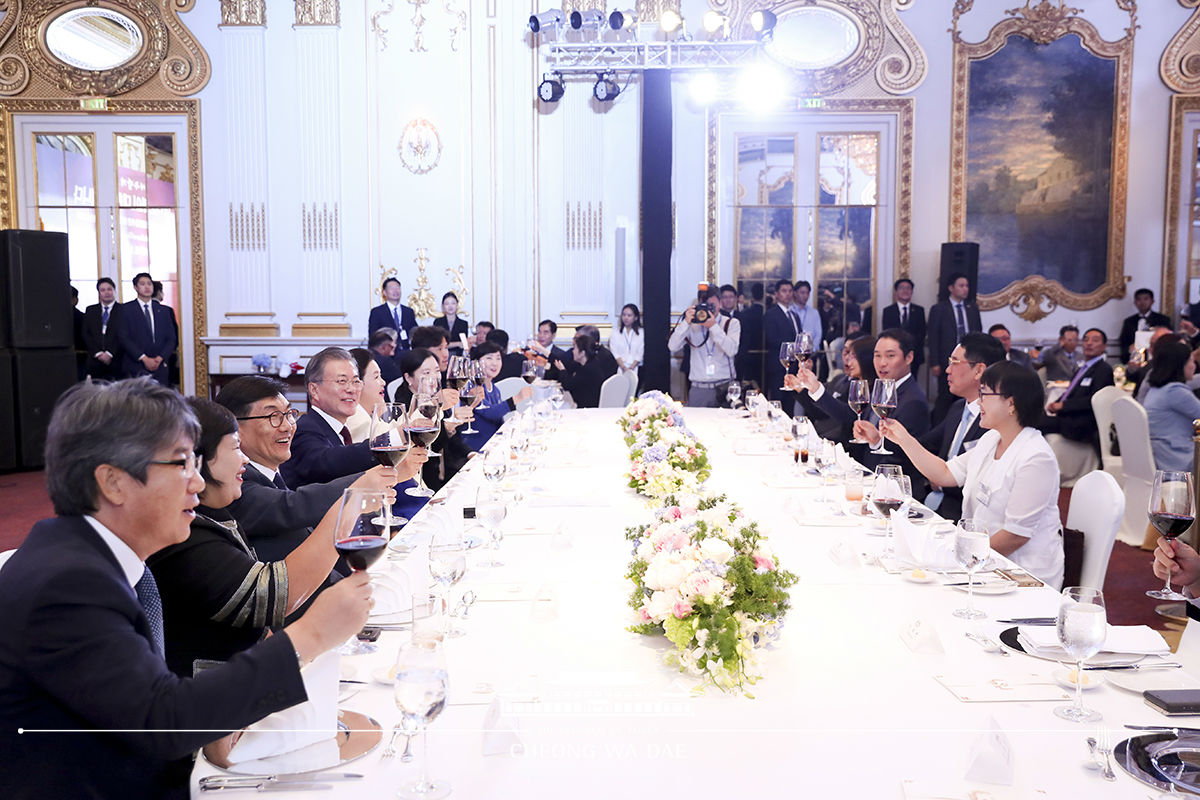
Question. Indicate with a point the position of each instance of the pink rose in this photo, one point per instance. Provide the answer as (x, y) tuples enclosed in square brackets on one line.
[(642, 613), (682, 609), (762, 562), (676, 513)]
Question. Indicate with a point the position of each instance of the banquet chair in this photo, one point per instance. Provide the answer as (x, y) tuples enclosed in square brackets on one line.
[(1137, 462), (509, 387), (613, 391), (5, 556), (392, 388), (1097, 508), (1102, 409), (632, 377)]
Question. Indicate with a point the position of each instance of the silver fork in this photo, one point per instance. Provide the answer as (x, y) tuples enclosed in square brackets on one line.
[(990, 645), (390, 750), (1105, 748)]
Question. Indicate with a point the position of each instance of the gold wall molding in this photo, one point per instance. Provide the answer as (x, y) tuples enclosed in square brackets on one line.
[(420, 147), (421, 300), (418, 21), (1177, 167), (584, 226), (318, 13), (248, 227), (460, 22), (585, 5), (1035, 296), (320, 226), (324, 331), (377, 27), (264, 329), (648, 11), (229, 314), (1179, 67), (455, 274), (244, 12)]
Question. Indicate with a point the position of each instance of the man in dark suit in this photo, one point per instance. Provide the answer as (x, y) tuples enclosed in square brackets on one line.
[(909, 316), (1002, 335), (1073, 417), (749, 361), (146, 332), (780, 325), (81, 639), (382, 344), (391, 314), (1144, 320), (100, 324), (322, 449), (544, 349), (949, 321), (893, 360)]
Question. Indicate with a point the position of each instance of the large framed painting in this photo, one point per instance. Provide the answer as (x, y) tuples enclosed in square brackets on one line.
[(1039, 158)]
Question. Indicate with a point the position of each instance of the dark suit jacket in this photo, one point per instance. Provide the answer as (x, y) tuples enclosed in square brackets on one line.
[(96, 340), (1020, 357), (916, 327), (510, 366), (320, 456), (943, 330), (938, 440), (584, 383), (749, 364), (777, 329), (381, 317), (1130, 325), (461, 327), (276, 521), (912, 410), (831, 416), (76, 654), (134, 335), (1075, 419)]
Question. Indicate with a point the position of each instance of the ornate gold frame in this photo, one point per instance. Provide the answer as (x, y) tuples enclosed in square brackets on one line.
[(1181, 106), (1179, 66), (194, 189), (1035, 296)]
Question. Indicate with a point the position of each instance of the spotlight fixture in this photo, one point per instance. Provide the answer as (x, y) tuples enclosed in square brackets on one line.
[(547, 19), (591, 19), (763, 22), (606, 88), (704, 88), (622, 20), (714, 22), (670, 21), (551, 89)]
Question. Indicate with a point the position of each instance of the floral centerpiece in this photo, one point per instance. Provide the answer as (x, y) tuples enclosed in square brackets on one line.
[(665, 457), (705, 576)]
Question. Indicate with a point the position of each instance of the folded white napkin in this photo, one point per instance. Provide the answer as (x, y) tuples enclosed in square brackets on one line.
[(917, 544), (500, 736), (1138, 639), (991, 757), (844, 461), (392, 593), (302, 725)]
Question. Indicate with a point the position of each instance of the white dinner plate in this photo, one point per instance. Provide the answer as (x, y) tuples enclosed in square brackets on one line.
[(1138, 681), (918, 576), (991, 587), (1008, 640)]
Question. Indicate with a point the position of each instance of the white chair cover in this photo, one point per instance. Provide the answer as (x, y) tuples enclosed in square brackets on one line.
[(1097, 508), (613, 391), (509, 387), (392, 388), (1137, 462), (1102, 409), (632, 377)]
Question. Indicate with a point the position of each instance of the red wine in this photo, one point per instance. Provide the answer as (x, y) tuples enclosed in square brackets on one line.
[(390, 456), (424, 436), (361, 552), (529, 378), (883, 410), (796, 456), (457, 383), (857, 406), (803, 456), (887, 505), (1170, 525), (428, 410)]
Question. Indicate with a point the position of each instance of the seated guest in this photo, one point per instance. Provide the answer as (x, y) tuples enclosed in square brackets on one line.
[(373, 392), (436, 341), (383, 349), (1011, 353), (218, 598), (893, 359), (510, 362), (82, 626), (1073, 418), (608, 362), (481, 331), (1170, 404), (584, 382), (322, 449), (545, 352), (392, 314), (1139, 365), (489, 414), (826, 406), (1060, 359), (453, 324), (1010, 479), (421, 366)]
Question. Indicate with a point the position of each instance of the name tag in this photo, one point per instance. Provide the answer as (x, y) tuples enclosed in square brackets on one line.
[(1086, 382), (836, 395), (984, 494), (710, 370), (404, 334)]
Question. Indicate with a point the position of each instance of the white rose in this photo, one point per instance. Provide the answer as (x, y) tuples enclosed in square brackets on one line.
[(716, 549), (661, 605)]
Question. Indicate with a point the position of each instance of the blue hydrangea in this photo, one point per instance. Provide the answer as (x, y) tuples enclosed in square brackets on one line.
[(655, 452)]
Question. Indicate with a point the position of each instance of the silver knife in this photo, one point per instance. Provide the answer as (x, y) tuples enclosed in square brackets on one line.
[(1156, 665), (210, 782), (292, 786), (1029, 621)]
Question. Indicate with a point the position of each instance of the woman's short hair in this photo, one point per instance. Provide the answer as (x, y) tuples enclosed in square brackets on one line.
[(125, 424), (414, 359), (362, 360), (864, 354), (485, 349), (1168, 358), (1019, 384), (216, 422)]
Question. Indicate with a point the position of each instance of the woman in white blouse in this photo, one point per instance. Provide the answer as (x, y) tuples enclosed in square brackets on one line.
[(626, 342), (1010, 479)]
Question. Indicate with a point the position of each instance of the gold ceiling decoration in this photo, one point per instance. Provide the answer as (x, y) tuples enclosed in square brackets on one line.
[(1180, 63), (318, 12), (650, 10), (244, 12), (420, 147)]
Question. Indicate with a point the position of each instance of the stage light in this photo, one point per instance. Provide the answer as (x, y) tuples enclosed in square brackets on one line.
[(622, 20), (763, 22), (704, 88), (670, 21), (591, 19), (761, 88), (547, 19), (551, 89), (713, 22), (606, 88)]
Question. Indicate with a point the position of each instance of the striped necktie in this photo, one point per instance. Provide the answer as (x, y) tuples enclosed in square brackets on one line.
[(147, 595)]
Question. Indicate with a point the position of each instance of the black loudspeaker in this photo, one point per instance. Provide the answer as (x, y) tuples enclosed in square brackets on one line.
[(959, 257), (35, 290), (39, 377), (8, 413)]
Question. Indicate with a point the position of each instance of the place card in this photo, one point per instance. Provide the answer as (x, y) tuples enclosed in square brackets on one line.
[(991, 757), (1022, 687), (844, 556), (922, 637), (500, 732)]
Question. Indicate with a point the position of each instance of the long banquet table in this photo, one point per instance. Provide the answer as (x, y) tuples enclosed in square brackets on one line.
[(844, 709)]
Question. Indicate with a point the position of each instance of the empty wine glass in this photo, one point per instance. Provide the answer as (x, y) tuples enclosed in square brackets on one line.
[(1172, 510), (883, 403), (490, 511), (787, 354), (447, 565), (733, 393), (424, 424), (858, 396), (360, 537), (972, 544), (389, 444), (1082, 628), (495, 464), (420, 692)]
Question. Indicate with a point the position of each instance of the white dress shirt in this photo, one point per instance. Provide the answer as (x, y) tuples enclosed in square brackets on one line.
[(270, 474), (131, 565), (333, 423), (628, 346)]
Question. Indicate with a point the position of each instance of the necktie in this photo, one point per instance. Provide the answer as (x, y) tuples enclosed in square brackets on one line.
[(796, 324), (904, 317), (147, 595), (346, 440), (279, 484), (104, 318), (934, 498), (962, 320), (1074, 382), (396, 317), (149, 319)]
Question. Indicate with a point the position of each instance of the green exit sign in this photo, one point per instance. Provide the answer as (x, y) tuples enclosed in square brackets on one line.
[(93, 104), (812, 102)]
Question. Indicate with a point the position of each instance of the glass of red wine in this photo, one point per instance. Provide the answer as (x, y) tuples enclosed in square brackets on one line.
[(891, 490), (389, 444), (804, 348), (858, 396), (883, 403), (529, 372), (1172, 511), (424, 425), (787, 354), (360, 539)]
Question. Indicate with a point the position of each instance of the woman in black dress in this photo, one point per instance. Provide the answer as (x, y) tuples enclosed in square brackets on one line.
[(584, 383), (452, 322)]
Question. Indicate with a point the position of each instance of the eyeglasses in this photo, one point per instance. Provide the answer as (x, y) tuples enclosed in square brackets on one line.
[(190, 463), (953, 362), (277, 417), (989, 393), (342, 383)]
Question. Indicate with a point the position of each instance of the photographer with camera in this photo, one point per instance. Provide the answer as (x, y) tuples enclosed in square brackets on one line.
[(711, 340)]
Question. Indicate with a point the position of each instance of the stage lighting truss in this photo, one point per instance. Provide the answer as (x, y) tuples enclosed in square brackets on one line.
[(606, 88), (551, 89), (590, 58)]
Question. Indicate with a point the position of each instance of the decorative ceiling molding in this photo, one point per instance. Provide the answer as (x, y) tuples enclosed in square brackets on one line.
[(1180, 63), (244, 12), (318, 13)]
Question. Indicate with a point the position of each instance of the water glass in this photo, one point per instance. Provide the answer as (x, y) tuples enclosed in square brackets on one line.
[(1082, 628), (420, 692), (972, 544)]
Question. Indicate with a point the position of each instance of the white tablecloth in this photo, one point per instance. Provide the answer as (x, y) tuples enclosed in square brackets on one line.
[(845, 708)]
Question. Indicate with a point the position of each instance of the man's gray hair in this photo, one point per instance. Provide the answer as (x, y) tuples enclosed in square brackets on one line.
[(124, 424), (315, 371)]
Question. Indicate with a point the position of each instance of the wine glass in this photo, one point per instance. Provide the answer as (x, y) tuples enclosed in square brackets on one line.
[(420, 691), (733, 393), (804, 346), (891, 490), (466, 391), (858, 396), (529, 372), (1082, 628), (557, 399), (489, 510), (799, 433), (1172, 511), (972, 544), (447, 565), (389, 444), (787, 354), (495, 464), (424, 425), (883, 403), (360, 537)]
